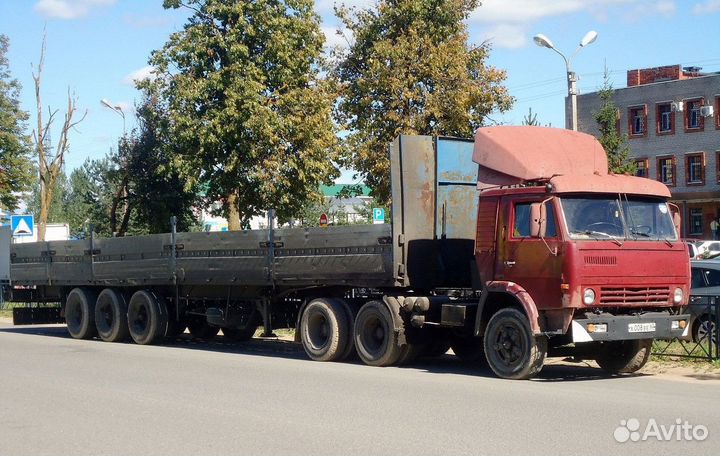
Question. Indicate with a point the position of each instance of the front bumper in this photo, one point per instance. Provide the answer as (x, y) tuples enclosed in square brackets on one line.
[(626, 327)]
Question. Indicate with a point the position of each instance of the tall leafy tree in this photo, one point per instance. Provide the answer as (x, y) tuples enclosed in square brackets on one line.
[(614, 143), (249, 116), (411, 70), (16, 172)]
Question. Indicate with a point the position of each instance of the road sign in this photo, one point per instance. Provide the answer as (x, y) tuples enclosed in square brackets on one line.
[(22, 225), (378, 215), (324, 220)]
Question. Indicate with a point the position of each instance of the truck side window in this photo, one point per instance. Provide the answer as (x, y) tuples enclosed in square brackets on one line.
[(697, 280), (521, 226)]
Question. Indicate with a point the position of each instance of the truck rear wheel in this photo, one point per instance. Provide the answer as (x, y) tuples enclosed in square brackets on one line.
[(324, 329), (375, 335), (511, 349), (111, 316), (147, 318), (623, 356), (80, 313)]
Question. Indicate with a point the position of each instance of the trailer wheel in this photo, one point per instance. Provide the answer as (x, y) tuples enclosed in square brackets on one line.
[(147, 318), (324, 330), (111, 316), (375, 335), (200, 329), (469, 349), (80, 313), (623, 356), (511, 349)]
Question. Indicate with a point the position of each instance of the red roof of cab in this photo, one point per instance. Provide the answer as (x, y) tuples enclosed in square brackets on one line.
[(572, 161)]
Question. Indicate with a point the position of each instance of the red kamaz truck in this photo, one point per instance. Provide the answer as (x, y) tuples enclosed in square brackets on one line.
[(510, 248)]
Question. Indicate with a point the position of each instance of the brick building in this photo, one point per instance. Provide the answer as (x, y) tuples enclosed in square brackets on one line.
[(671, 115)]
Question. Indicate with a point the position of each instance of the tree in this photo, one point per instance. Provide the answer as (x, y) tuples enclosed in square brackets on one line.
[(50, 163), (411, 70), (249, 116), (615, 144), (16, 170)]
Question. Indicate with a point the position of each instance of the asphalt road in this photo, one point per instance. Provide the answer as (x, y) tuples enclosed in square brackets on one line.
[(64, 396)]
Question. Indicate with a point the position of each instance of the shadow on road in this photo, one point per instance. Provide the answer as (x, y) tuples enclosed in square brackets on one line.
[(554, 371)]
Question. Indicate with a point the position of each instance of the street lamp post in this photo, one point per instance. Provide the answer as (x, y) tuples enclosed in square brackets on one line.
[(116, 108), (543, 41)]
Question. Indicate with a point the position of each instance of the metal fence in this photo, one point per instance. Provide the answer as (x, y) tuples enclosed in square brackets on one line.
[(704, 334)]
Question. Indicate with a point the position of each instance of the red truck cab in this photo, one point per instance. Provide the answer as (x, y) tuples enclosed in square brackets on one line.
[(593, 260)]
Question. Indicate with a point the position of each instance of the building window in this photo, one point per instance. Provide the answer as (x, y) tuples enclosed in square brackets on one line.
[(693, 120), (696, 224), (665, 119), (717, 166), (641, 168), (637, 118), (666, 170), (717, 112), (695, 169)]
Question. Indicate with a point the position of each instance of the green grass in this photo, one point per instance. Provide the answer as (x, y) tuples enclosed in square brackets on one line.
[(6, 313)]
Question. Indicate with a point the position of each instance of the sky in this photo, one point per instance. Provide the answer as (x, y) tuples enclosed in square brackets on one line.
[(96, 48)]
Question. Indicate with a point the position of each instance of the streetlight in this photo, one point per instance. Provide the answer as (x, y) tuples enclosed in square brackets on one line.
[(543, 41), (116, 108)]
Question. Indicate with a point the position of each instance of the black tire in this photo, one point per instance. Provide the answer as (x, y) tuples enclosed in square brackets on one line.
[(351, 311), (200, 329), (409, 353), (623, 356), (469, 349), (80, 313), (245, 332), (511, 349), (704, 328), (147, 318), (375, 339), (111, 316), (324, 330)]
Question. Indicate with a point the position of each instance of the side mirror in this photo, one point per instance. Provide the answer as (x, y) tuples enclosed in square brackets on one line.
[(675, 211), (538, 220)]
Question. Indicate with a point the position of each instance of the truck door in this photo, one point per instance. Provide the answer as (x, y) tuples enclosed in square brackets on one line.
[(530, 262)]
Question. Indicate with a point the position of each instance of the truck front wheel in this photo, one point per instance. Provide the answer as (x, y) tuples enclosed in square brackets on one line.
[(623, 356), (511, 349)]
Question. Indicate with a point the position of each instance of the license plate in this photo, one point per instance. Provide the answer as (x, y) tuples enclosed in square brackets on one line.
[(641, 327)]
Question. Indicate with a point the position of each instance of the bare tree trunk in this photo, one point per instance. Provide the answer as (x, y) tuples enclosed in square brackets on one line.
[(233, 213), (50, 165)]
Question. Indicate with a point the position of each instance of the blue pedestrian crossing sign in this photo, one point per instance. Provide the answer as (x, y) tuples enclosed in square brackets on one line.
[(378, 215), (22, 225)]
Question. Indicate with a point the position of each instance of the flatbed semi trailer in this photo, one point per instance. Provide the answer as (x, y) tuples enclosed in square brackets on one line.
[(509, 248)]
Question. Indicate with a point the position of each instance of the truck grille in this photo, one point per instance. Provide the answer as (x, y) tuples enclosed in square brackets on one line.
[(634, 295)]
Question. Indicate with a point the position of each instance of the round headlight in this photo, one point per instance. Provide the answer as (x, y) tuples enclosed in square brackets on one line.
[(678, 296), (589, 296)]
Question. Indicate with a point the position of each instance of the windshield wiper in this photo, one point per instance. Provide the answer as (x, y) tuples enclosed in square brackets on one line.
[(602, 233), (638, 233)]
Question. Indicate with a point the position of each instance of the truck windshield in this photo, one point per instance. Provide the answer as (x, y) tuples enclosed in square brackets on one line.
[(618, 218)]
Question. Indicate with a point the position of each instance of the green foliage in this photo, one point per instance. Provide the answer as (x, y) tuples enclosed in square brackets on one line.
[(16, 170), (411, 70), (614, 143), (248, 115)]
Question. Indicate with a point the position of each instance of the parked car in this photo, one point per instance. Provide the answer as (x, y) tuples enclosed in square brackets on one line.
[(704, 289), (693, 250)]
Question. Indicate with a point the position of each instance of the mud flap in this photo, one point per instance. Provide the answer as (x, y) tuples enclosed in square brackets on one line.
[(37, 315)]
